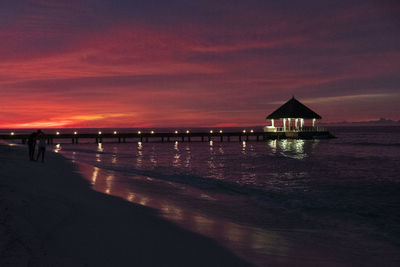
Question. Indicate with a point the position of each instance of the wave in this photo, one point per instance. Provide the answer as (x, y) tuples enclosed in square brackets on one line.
[(84, 150), (197, 181)]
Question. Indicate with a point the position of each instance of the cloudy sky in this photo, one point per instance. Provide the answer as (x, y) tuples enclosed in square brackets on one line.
[(130, 63)]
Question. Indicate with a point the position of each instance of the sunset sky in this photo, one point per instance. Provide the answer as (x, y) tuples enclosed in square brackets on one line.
[(129, 63)]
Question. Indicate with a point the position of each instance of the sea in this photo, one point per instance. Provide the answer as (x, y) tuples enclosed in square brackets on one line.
[(273, 199)]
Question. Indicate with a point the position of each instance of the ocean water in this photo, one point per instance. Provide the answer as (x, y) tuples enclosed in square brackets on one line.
[(290, 199)]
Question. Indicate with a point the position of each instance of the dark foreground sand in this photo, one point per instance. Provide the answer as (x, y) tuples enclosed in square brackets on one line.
[(49, 216)]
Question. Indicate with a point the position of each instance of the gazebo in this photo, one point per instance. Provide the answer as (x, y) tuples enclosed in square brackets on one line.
[(292, 116)]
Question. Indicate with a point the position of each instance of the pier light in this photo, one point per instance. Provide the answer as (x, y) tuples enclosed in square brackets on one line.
[(211, 131), (57, 133), (115, 132), (99, 132), (139, 132), (12, 133), (252, 131), (176, 132), (187, 131), (220, 131), (244, 131), (75, 132), (152, 132)]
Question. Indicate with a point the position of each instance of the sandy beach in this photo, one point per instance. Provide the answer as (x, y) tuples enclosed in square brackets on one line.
[(51, 217)]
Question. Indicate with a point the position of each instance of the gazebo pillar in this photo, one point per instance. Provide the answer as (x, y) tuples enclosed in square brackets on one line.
[(272, 122), (313, 122), (296, 121), (289, 123), (284, 125)]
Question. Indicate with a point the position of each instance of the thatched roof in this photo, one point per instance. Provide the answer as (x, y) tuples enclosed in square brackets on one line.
[(293, 109)]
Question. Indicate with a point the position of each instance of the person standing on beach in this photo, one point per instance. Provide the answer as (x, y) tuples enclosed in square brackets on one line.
[(42, 145), (32, 145)]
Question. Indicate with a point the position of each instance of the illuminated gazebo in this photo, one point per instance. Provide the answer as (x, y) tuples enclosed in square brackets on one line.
[(292, 116)]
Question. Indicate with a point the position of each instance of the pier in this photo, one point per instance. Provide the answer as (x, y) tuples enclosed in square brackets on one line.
[(145, 137)]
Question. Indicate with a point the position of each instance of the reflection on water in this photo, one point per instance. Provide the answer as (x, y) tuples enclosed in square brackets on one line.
[(57, 148), (243, 148), (244, 163), (100, 147), (130, 197), (239, 238), (109, 182), (73, 158), (94, 175), (177, 157), (272, 145), (290, 148), (188, 157), (139, 155), (153, 157), (114, 155), (114, 159)]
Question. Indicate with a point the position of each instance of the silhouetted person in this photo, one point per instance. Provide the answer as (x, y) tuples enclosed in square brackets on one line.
[(42, 145), (32, 145)]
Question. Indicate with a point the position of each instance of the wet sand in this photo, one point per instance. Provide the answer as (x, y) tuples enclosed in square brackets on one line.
[(51, 217)]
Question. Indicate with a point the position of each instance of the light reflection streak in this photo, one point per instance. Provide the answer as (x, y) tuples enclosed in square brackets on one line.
[(292, 148), (273, 145), (139, 155), (131, 197), (188, 158), (100, 147), (176, 147), (203, 224), (232, 232), (153, 158), (73, 157), (109, 182), (114, 156), (143, 200), (244, 147), (176, 162), (94, 175), (57, 148), (98, 157)]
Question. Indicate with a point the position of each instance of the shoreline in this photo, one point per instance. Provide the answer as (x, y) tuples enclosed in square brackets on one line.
[(52, 217)]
